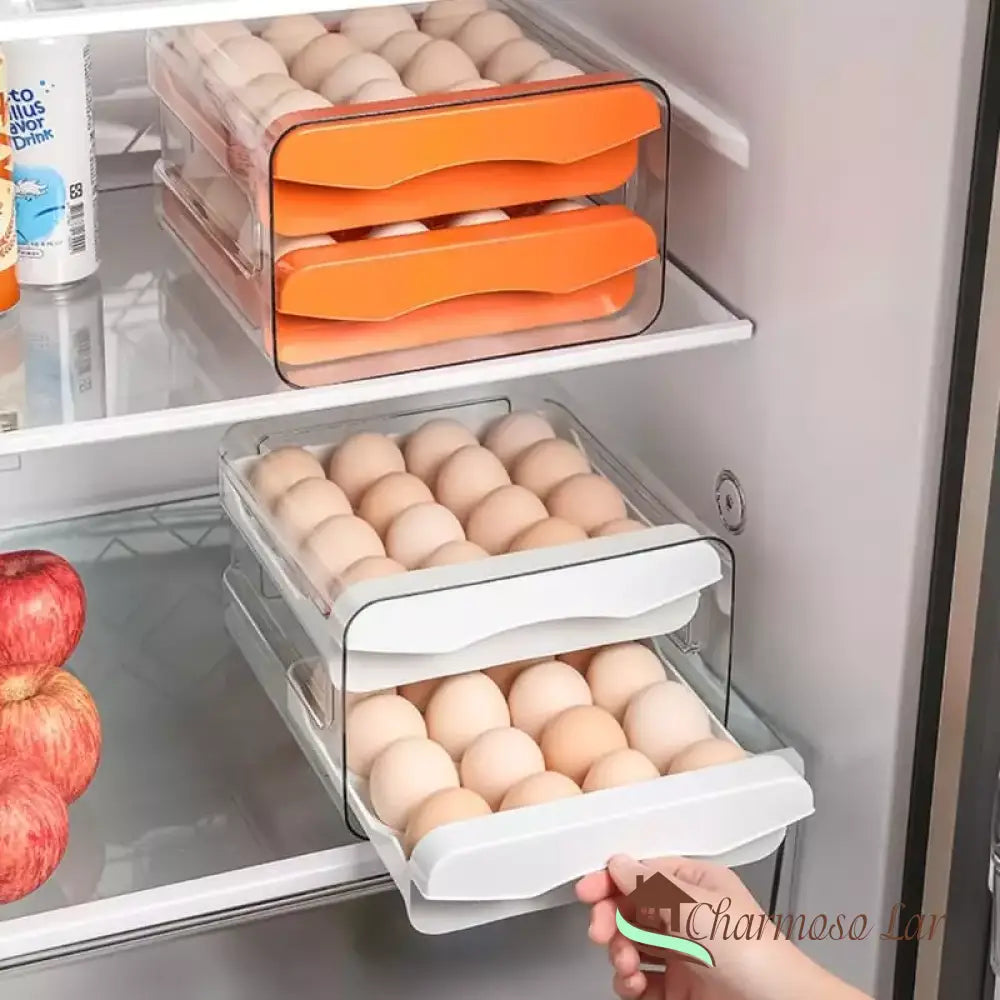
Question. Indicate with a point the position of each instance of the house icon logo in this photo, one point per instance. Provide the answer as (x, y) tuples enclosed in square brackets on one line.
[(652, 899)]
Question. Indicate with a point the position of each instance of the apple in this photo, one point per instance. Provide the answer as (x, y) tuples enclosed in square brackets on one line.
[(34, 829), (42, 610), (57, 729)]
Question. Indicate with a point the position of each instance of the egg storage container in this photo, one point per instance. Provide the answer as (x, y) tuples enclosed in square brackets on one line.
[(363, 220), (518, 860)]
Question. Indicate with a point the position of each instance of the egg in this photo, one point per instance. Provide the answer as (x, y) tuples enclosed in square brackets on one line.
[(320, 58), (396, 229), (370, 568), (427, 447), (546, 464), (199, 169), (554, 69), (402, 47), (342, 701), (227, 205), (362, 460), (290, 35), (477, 84), (623, 526), (484, 33), (337, 544), (284, 245), (549, 786), (514, 59), (587, 500), (239, 60), (352, 73), (462, 708), (547, 534), (450, 805), (542, 692), (510, 436), (479, 218), (437, 66), (279, 470), (419, 531), (497, 760), (505, 675), (376, 723), (308, 504), (419, 692), (389, 496), (381, 90), (620, 767), (579, 659), (578, 737), (664, 719), (204, 39), (405, 775), (706, 753), (294, 102), (617, 673), (372, 27), (466, 477), (443, 18), (454, 553), (563, 205), (503, 515), (259, 94)]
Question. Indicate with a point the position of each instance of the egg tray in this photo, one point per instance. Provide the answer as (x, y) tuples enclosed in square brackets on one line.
[(505, 864), (448, 620)]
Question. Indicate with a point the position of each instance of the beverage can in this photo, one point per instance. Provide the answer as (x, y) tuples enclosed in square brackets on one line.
[(9, 290), (55, 167)]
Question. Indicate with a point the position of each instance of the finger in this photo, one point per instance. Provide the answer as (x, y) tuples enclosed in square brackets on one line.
[(625, 872), (657, 988), (630, 987), (699, 874), (624, 957), (602, 922), (594, 887)]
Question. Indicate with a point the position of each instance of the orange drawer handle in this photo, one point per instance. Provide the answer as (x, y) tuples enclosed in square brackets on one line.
[(380, 280), (301, 210), (375, 152)]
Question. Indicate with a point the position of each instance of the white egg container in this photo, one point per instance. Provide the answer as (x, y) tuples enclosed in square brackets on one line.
[(513, 862), (449, 620)]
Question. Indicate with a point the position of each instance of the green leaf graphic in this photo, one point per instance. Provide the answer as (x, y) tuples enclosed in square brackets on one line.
[(682, 946)]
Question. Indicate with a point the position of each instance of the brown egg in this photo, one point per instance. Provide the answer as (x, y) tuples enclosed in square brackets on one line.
[(466, 477), (547, 534), (406, 774), (513, 434), (419, 692), (387, 498), (578, 737), (279, 470), (664, 719), (361, 461), (420, 531), (450, 805), (620, 767), (617, 673), (546, 464), (453, 553), (370, 568), (306, 505), (542, 692), (624, 526), (588, 500), (337, 544), (539, 789), (497, 760), (706, 753), (427, 447), (374, 724), (503, 515), (462, 708)]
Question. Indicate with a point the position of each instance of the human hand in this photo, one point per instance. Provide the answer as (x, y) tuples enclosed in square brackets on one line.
[(764, 966)]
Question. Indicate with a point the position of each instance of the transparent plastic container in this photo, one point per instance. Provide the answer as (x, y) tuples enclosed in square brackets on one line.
[(417, 226)]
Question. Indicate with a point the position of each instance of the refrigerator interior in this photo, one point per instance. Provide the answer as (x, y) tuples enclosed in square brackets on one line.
[(814, 204)]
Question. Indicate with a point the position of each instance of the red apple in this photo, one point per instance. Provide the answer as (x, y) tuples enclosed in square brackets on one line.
[(34, 829), (42, 609), (57, 729)]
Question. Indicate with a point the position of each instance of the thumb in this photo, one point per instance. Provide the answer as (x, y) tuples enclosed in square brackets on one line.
[(625, 872)]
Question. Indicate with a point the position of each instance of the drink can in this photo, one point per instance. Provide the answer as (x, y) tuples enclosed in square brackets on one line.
[(55, 166), (9, 291)]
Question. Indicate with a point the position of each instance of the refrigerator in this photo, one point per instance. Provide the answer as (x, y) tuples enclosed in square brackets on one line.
[(819, 388)]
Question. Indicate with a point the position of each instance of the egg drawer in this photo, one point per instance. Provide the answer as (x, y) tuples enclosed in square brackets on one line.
[(507, 863), (448, 619)]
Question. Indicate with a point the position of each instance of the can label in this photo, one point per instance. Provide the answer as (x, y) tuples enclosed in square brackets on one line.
[(51, 130), (8, 234)]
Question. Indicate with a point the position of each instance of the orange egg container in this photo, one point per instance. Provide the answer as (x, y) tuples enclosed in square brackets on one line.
[(362, 307)]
